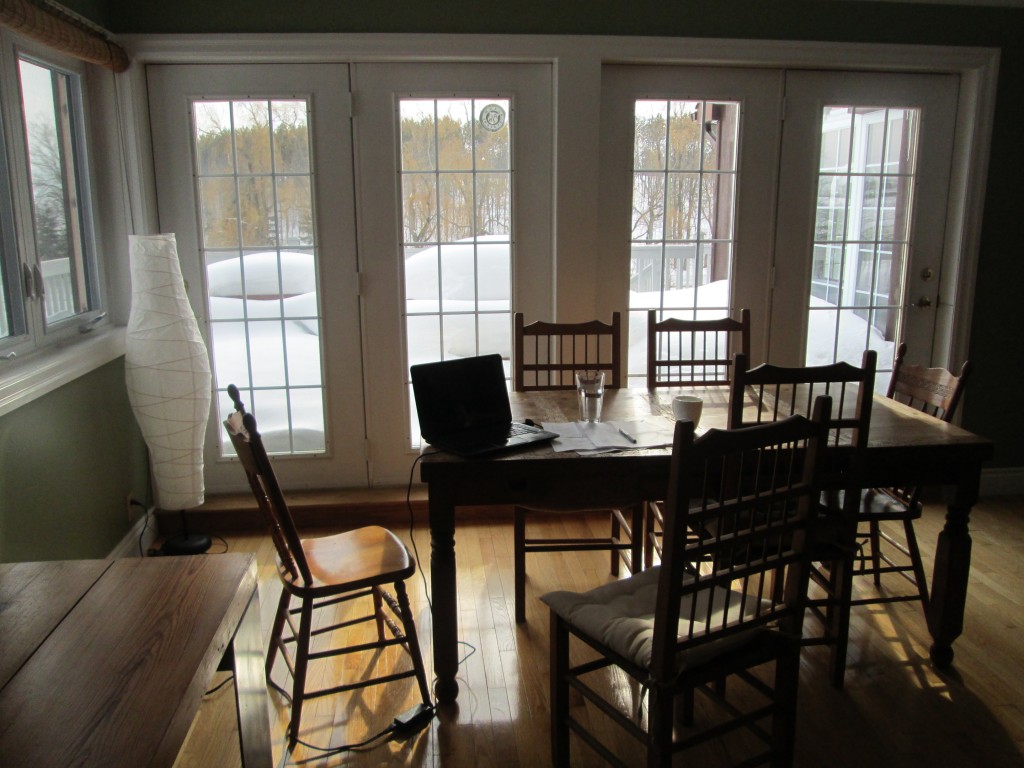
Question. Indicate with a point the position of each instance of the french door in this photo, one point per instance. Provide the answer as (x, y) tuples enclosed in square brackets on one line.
[(700, 198), (327, 248), (453, 163), (818, 200), (254, 176), (865, 178)]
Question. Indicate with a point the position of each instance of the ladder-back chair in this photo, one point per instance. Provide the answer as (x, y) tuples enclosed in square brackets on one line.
[(694, 353), (936, 392), (704, 615), (547, 357), (769, 392), (689, 353), (321, 575)]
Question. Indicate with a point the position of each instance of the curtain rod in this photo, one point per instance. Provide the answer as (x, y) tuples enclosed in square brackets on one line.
[(51, 24)]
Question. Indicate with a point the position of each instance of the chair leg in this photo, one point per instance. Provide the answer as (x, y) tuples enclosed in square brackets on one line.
[(659, 727), (378, 613), (616, 537), (841, 583), (787, 675), (412, 639), (917, 563), (876, 552), (278, 627), (301, 665), (637, 539), (519, 563), (559, 649), (648, 535)]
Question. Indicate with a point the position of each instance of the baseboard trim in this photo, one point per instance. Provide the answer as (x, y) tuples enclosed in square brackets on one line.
[(146, 528), (1002, 481), (336, 508)]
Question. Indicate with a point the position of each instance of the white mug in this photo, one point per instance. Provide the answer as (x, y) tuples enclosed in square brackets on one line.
[(687, 408)]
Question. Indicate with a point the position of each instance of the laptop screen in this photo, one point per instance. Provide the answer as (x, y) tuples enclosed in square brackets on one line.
[(455, 396)]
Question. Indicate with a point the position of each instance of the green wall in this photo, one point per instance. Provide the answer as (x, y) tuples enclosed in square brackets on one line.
[(70, 459), (995, 347)]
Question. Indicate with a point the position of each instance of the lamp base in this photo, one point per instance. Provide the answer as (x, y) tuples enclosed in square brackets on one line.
[(186, 543), (189, 544)]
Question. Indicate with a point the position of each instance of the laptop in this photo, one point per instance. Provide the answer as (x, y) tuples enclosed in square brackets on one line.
[(463, 407)]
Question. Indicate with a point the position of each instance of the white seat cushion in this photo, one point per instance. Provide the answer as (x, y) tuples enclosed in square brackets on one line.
[(620, 615)]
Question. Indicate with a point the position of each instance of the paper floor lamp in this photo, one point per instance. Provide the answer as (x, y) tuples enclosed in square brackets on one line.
[(167, 370)]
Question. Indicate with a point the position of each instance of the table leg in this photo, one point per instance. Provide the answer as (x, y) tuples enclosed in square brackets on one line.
[(444, 599), (952, 569), (251, 689)]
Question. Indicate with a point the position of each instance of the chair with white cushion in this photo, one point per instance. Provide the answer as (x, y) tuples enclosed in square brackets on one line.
[(705, 614)]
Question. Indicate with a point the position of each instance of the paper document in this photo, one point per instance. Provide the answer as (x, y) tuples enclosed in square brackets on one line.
[(602, 436)]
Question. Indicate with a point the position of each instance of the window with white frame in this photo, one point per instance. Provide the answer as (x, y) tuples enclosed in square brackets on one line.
[(49, 275)]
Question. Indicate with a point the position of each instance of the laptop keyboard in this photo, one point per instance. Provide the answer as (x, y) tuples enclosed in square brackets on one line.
[(518, 428)]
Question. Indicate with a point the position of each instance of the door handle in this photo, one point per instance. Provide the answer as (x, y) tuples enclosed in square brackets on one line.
[(923, 303)]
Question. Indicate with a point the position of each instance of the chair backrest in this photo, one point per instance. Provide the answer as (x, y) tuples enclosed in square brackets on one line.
[(935, 391), (751, 492), (548, 355), (770, 392), (682, 353), (252, 454)]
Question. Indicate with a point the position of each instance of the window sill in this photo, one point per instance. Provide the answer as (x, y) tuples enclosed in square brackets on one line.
[(22, 381)]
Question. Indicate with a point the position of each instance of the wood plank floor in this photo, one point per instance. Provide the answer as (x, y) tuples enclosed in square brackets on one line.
[(896, 709)]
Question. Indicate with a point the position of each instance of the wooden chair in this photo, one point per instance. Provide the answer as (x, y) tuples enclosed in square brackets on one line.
[(547, 357), (694, 353), (768, 393), (323, 573), (689, 353), (677, 629), (934, 391)]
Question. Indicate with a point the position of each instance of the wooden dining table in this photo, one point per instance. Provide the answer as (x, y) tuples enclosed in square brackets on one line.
[(905, 447), (105, 662)]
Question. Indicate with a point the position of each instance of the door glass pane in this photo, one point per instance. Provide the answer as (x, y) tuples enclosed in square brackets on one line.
[(865, 195), (684, 205), (456, 181), (258, 245), (50, 101)]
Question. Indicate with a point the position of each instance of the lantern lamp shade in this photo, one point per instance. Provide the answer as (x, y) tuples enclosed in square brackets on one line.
[(167, 371)]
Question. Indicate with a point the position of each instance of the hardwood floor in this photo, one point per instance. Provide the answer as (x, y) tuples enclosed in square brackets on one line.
[(896, 708)]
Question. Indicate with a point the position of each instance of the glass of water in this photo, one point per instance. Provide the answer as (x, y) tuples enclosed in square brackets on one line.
[(590, 386)]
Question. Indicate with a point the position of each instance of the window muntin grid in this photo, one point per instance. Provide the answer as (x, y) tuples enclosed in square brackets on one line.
[(258, 246), (865, 197), (456, 187), (683, 215)]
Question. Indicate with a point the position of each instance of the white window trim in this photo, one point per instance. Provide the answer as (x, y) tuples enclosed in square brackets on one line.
[(43, 362), (22, 381)]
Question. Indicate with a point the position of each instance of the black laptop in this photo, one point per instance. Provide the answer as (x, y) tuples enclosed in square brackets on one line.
[(463, 407)]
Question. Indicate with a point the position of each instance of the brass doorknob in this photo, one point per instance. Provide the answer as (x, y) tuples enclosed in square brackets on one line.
[(923, 303)]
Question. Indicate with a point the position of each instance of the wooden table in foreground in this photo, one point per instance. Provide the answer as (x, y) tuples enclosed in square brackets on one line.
[(905, 448), (105, 662)]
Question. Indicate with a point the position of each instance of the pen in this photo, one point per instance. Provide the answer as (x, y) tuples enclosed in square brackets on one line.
[(626, 435)]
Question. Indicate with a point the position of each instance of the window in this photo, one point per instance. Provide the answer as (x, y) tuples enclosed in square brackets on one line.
[(49, 274), (684, 203), (255, 192), (865, 189), (456, 176)]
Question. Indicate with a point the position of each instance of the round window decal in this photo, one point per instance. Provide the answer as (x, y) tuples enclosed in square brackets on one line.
[(492, 118)]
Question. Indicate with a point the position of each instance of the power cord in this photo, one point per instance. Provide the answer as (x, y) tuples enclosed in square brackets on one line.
[(404, 726), (412, 538), (145, 521)]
